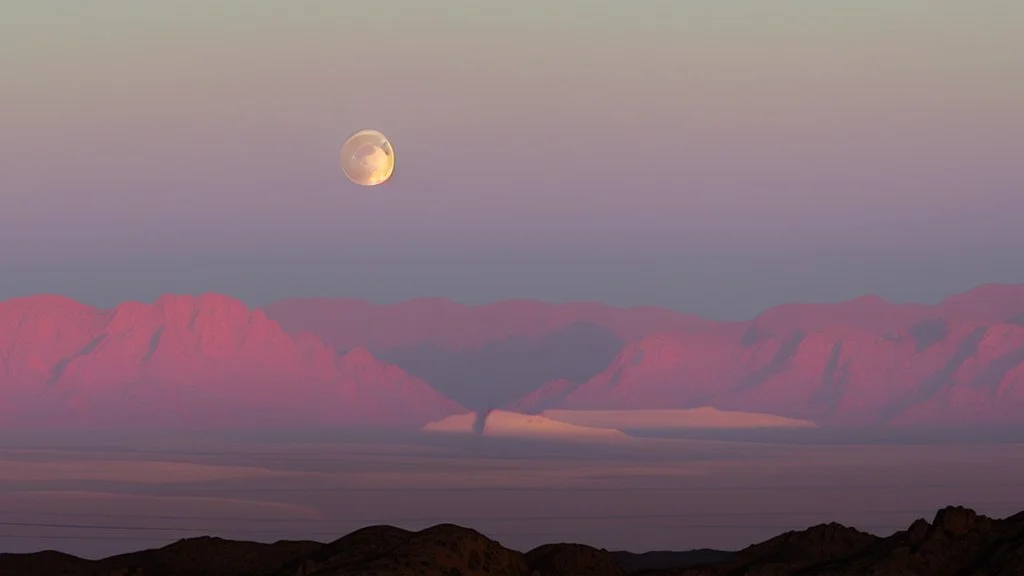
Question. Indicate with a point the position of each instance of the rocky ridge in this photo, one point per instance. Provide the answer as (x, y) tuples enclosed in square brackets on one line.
[(957, 542)]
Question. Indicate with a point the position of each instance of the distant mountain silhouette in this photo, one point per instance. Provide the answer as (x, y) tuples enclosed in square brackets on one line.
[(211, 362), (957, 542), (654, 561), (344, 323)]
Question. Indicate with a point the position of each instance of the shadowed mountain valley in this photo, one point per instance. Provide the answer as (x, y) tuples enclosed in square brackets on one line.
[(502, 371)]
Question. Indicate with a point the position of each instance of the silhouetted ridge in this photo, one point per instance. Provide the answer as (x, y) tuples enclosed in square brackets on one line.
[(657, 560), (366, 545), (957, 542), (44, 562), (573, 559), (385, 550)]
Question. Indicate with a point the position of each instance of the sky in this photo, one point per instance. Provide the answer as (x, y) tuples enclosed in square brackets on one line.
[(714, 157)]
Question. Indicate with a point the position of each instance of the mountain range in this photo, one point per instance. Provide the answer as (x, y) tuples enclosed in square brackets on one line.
[(210, 361), (957, 542)]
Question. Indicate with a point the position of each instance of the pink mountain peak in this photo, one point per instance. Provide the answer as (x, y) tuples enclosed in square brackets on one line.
[(861, 361), (185, 357), (216, 308), (868, 312), (359, 358)]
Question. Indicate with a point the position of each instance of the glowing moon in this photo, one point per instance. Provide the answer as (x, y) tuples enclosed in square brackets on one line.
[(367, 158)]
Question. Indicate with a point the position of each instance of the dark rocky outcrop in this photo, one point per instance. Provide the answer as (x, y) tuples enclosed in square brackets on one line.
[(557, 559), (958, 542)]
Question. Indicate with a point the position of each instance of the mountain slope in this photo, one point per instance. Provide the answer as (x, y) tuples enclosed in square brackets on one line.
[(210, 361), (957, 542), (970, 374), (862, 361), (203, 361)]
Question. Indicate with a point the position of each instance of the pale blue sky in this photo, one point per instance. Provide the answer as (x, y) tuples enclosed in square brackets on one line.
[(714, 157)]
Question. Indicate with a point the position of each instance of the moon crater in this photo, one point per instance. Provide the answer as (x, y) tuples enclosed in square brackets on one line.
[(367, 158)]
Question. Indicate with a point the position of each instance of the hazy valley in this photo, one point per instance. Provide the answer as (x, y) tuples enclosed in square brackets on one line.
[(96, 496)]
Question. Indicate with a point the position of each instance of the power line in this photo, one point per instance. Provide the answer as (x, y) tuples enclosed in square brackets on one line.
[(135, 532), (638, 489), (125, 538), (206, 529), (169, 537), (922, 510)]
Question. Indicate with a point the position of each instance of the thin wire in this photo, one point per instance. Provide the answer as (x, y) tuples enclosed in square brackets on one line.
[(206, 529), (645, 489), (497, 535), (126, 538), (166, 534), (922, 510)]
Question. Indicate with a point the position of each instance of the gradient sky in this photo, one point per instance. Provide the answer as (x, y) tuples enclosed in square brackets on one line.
[(717, 157)]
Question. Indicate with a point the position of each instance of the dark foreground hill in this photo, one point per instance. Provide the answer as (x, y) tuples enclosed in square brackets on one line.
[(957, 542)]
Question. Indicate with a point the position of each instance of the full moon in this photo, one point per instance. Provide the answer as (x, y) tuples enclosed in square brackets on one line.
[(367, 158)]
